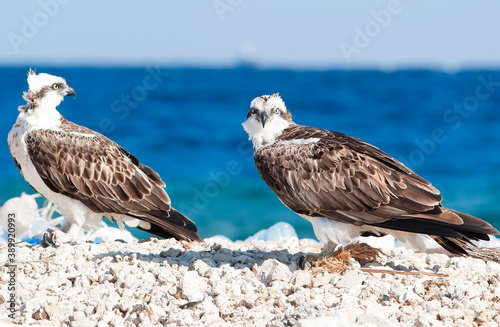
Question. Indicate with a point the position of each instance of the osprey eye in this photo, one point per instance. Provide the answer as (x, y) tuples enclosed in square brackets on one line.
[(253, 111), (275, 111), (55, 86)]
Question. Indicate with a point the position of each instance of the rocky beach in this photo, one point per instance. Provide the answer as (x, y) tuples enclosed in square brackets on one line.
[(257, 283)]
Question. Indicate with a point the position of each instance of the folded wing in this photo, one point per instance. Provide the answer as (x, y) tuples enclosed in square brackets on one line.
[(348, 180), (88, 167)]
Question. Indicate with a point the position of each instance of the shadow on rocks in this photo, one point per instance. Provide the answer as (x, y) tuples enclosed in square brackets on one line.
[(215, 256)]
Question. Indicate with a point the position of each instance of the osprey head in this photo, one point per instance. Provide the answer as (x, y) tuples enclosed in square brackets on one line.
[(267, 119), (45, 89)]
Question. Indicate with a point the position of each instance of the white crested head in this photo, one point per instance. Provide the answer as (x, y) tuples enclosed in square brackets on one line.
[(37, 82), (267, 119), (46, 90), (44, 95)]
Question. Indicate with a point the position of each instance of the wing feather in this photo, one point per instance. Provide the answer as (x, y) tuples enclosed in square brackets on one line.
[(105, 177), (348, 180), (341, 173)]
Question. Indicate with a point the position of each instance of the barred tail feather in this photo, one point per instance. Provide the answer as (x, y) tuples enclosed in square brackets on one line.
[(175, 225)]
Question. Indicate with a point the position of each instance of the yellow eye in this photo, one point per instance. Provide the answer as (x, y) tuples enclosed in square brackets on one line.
[(55, 86)]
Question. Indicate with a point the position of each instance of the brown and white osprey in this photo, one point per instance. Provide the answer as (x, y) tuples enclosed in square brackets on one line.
[(85, 174), (348, 188)]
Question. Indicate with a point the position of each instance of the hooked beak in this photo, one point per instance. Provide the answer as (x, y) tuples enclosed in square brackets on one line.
[(70, 91), (263, 118)]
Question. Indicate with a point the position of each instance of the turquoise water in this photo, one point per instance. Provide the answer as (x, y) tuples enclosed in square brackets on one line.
[(186, 124)]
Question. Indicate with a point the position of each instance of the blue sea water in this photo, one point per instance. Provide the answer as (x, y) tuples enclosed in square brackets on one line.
[(186, 124)]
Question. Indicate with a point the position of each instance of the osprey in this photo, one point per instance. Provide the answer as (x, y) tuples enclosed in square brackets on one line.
[(348, 188), (85, 174)]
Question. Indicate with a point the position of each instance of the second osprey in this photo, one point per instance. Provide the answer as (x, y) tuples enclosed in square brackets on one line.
[(348, 188)]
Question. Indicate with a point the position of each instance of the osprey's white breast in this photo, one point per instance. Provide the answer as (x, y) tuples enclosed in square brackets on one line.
[(18, 149), (27, 121), (17, 143)]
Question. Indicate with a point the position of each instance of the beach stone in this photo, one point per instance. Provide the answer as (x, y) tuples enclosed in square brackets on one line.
[(281, 256), (155, 313), (493, 267), (244, 259), (496, 292), (483, 317), (407, 313), (171, 253), (82, 322), (419, 289), (411, 297), (471, 264), (201, 267), (77, 315), (489, 324), (250, 300), (375, 316), (351, 278), (132, 319), (331, 300), (444, 313), (425, 320), (432, 306), (126, 304), (248, 287), (40, 314), (222, 257), (321, 280), (222, 302), (193, 286), (398, 292), (89, 310), (82, 282), (439, 259), (209, 308), (272, 270), (302, 278), (54, 312)]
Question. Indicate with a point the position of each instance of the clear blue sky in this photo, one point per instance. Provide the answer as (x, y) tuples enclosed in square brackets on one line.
[(448, 34)]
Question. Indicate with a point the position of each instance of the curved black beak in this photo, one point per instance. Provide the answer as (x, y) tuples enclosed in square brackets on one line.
[(70, 91), (263, 118)]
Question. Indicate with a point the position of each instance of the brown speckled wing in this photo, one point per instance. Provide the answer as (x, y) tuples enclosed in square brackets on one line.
[(87, 166), (348, 180)]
